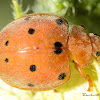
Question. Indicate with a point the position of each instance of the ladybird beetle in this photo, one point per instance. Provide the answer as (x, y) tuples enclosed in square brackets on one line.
[(36, 50)]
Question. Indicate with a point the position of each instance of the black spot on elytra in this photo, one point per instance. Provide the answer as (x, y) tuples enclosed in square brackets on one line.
[(58, 50), (7, 42), (32, 68), (58, 44), (62, 76), (31, 31), (98, 53), (6, 60), (31, 85), (27, 18), (59, 21), (94, 33)]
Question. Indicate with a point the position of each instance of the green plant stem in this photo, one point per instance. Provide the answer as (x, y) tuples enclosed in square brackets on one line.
[(17, 9)]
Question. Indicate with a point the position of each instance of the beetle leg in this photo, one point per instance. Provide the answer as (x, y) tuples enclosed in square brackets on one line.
[(86, 77)]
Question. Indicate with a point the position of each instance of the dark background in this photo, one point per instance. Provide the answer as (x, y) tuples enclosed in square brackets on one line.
[(5, 12)]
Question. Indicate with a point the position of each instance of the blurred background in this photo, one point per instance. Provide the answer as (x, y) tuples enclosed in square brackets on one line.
[(5, 12), (81, 12)]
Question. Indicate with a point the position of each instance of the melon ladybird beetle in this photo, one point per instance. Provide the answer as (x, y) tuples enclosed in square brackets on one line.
[(35, 51)]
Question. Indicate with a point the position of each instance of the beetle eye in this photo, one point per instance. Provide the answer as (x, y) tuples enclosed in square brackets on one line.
[(98, 53)]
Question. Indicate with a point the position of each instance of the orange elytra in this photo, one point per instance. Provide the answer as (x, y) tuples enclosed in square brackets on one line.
[(35, 51)]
